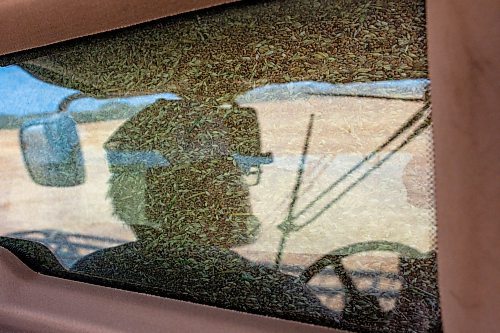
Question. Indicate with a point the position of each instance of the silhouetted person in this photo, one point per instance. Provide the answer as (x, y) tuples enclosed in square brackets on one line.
[(179, 173)]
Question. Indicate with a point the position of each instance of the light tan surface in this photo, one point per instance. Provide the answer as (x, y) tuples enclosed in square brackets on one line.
[(382, 207), (464, 44)]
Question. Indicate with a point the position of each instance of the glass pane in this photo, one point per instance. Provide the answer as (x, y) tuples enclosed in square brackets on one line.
[(272, 157)]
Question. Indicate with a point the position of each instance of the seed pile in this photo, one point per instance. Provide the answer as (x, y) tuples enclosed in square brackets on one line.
[(222, 52)]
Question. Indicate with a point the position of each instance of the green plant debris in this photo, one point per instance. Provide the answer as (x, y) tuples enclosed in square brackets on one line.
[(216, 55)]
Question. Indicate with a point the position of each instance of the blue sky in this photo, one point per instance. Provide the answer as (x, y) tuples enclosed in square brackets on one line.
[(21, 95)]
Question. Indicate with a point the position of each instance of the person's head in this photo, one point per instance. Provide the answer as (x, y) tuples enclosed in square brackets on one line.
[(178, 173)]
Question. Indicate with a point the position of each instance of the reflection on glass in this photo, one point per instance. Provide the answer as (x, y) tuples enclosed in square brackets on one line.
[(225, 163)]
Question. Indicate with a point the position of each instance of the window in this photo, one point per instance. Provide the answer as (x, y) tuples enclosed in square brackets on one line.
[(273, 157)]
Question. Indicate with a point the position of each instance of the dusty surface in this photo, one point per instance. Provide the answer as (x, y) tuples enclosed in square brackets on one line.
[(345, 130)]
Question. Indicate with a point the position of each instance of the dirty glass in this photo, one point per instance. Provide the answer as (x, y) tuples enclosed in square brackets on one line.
[(273, 157)]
